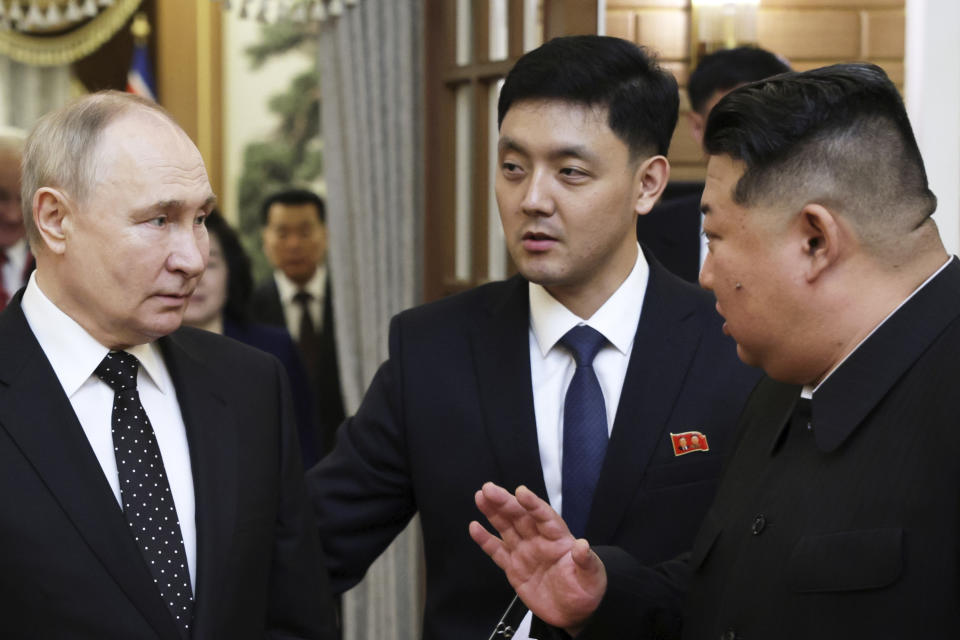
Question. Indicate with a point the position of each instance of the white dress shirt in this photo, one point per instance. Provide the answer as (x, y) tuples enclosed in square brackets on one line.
[(292, 311), (552, 368), (74, 355), (11, 273)]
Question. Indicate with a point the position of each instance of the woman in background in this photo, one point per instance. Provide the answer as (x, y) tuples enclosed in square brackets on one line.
[(220, 303)]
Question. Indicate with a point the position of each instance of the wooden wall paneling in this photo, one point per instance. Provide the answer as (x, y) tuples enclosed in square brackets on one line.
[(829, 4), (666, 32), (439, 171), (189, 75), (810, 33), (569, 17), (884, 34), (829, 34), (515, 28)]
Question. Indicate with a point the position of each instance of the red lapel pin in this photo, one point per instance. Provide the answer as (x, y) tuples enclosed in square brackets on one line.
[(688, 442)]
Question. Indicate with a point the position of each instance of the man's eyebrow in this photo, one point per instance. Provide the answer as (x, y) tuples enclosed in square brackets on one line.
[(175, 205), (507, 143), (572, 151)]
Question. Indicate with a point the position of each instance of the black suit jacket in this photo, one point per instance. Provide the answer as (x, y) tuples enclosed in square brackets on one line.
[(453, 408), (672, 231), (69, 567), (848, 529), (265, 307)]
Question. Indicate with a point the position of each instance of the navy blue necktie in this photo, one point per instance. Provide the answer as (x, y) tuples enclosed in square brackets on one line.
[(585, 433)]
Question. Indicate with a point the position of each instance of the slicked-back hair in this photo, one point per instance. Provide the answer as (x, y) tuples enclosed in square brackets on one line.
[(729, 68), (60, 150), (838, 136), (293, 197), (600, 71), (239, 275)]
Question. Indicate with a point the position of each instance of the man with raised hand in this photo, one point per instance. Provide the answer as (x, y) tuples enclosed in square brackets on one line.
[(835, 515), (578, 377)]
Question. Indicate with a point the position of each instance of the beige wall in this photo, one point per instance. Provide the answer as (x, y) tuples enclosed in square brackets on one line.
[(809, 33)]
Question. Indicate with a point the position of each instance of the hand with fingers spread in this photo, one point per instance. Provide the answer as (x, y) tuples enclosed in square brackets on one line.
[(557, 576)]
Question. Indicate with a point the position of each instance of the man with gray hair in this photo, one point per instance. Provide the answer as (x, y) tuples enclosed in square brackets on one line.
[(15, 259), (152, 480)]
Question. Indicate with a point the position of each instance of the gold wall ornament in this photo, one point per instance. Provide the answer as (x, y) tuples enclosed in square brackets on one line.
[(58, 32), (288, 10)]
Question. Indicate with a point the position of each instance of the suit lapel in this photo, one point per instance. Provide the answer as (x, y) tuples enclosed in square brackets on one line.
[(40, 420), (667, 337), (502, 355), (213, 455)]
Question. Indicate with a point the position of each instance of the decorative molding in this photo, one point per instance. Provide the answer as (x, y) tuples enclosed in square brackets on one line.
[(25, 28), (292, 10)]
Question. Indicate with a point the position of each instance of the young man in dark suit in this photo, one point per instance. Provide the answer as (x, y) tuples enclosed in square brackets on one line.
[(835, 515), (152, 479), (486, 384), (297, 296)]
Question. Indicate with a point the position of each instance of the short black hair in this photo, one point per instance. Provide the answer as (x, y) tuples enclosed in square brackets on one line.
[(600, 71), (839, 134), (293, 197), (239, 276), (729, 68)]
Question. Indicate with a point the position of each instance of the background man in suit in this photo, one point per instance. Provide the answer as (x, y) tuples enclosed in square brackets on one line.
[(298, 296), (486, 384), (672, 229), (830, 521), (15, 259), (153, 485)]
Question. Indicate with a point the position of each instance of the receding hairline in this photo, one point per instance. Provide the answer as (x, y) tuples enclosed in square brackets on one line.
[(61, 150)]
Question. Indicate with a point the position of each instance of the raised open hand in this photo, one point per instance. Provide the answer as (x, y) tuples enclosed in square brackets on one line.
[(557, 576)]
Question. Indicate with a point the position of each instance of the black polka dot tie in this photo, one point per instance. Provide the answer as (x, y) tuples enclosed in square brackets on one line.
[(144, 489)]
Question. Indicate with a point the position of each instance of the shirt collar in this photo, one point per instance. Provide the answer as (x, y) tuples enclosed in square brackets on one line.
[(617, 319), (73, 353), (287, 288)]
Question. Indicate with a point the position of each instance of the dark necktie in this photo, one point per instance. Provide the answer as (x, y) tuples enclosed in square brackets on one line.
[(144, 489), (4, 294), (585, 433), (308, 335)]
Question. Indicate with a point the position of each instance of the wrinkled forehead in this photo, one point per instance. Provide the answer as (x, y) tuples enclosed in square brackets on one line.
[(144, 147), (145, 135)]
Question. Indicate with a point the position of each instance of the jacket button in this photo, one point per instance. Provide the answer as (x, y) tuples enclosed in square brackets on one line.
[(759, 524), (730, 634)]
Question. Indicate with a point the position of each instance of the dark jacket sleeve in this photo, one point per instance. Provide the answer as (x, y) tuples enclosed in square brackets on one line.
[(361, 491)]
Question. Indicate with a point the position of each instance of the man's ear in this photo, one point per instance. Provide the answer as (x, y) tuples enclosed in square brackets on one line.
[(822, 238), (52, 215), (698, 123), (652, 176)]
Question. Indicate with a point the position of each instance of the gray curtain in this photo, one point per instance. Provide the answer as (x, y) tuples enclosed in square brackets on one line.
[(27, 92), (371, 75)]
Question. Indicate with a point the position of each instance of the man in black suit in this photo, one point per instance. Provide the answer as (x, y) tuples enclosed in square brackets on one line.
[(298, 297), (485, 384), (672, 228), (835, 517), (153, 485)]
